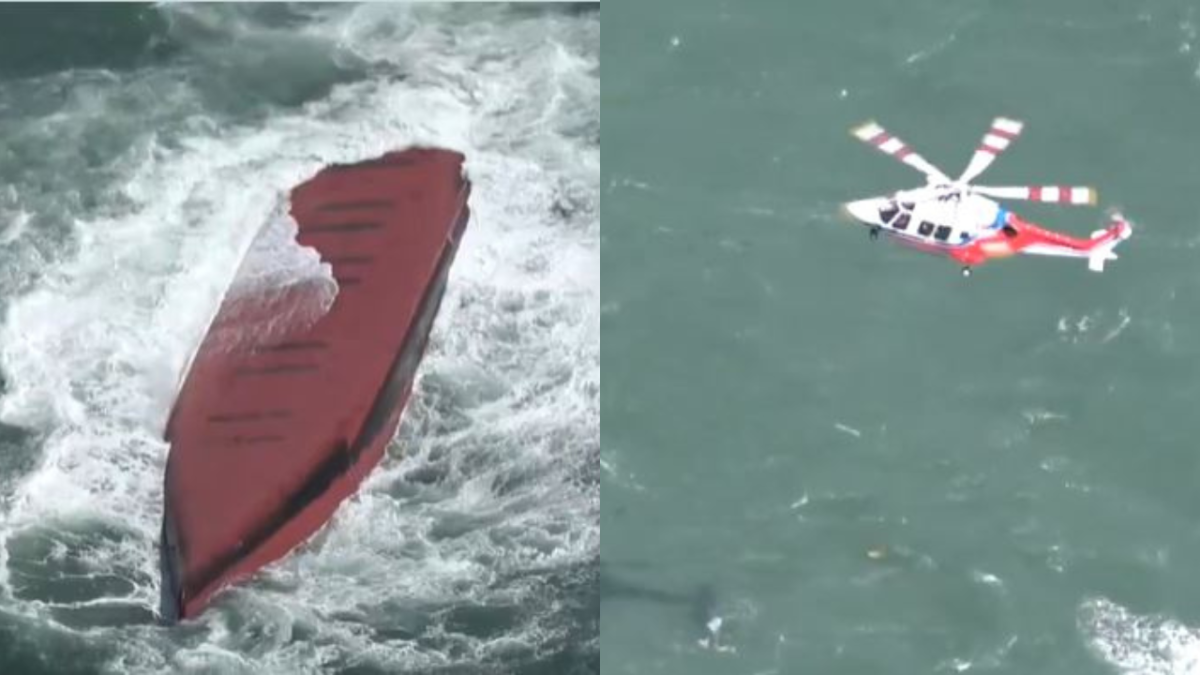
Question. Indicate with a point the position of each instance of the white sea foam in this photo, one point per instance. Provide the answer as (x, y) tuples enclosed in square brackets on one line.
[(1145, 644)]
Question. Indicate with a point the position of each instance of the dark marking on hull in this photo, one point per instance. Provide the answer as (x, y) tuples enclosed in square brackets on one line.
[(249, 417), (355, 206), (284, 369), (340, 228), (293, 346)]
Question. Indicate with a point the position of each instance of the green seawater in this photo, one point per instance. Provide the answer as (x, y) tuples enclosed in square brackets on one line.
[(783, 397)]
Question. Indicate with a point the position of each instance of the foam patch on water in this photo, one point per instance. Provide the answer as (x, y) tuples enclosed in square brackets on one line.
[(281, 288), (492, 487), (1136, 643), (1097, 327)]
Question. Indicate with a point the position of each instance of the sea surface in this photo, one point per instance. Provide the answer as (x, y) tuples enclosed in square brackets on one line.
[(142, 147), (854, 458)]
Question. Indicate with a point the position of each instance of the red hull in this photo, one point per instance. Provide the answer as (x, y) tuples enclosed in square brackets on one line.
[(270, 433)]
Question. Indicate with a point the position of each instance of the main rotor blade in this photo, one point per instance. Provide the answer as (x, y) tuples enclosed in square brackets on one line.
[(1049, 193), (994, 142), (873, 134)]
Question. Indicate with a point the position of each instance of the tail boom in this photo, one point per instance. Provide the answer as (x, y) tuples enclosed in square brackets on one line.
[(1098, 249)]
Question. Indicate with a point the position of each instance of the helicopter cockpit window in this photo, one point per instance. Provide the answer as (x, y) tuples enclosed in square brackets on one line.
[(888, 212), (942, 233), (925, 228), (901, 221)]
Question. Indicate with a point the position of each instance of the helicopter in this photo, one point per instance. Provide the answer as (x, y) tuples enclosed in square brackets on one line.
[(963, 221)]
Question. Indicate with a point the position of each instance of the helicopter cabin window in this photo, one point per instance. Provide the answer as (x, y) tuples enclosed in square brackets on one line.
[(942, 233), (925, 228), (887, 213), (901, 221)]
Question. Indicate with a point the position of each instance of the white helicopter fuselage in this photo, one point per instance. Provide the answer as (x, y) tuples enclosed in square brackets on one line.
[(935, 216)]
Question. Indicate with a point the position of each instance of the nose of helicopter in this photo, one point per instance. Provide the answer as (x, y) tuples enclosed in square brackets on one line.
[(865, 210)]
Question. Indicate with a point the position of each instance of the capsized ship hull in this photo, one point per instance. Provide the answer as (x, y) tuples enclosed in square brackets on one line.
[(276, 423)]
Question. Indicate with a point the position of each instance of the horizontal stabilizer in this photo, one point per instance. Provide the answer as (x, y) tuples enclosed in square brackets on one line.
[(1117, 232), (1100, 256)]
